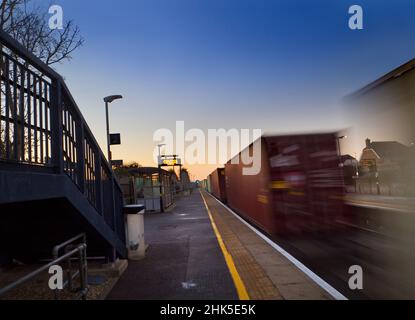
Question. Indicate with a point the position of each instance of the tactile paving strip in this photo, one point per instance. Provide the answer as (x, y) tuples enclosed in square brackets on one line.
[(257, 283)]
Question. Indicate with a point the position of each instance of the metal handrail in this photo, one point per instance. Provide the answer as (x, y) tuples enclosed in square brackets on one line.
[(83, 265), (30, 276), (55, 251)]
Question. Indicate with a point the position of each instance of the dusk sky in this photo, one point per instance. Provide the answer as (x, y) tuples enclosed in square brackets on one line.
[(280, 66)]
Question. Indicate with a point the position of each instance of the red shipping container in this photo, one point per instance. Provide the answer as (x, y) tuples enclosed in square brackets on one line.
[(298, 189), (217, 179)]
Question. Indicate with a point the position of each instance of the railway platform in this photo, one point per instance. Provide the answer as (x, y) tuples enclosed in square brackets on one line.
[(201, 250)]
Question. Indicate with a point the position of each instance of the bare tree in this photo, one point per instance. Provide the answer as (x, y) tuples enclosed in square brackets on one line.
[(27, 22)]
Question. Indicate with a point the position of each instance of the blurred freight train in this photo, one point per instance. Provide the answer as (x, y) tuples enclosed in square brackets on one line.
[(298, 190)]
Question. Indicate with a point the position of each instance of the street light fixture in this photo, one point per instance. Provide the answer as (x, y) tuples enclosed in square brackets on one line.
[(107, 101), (340, 159)]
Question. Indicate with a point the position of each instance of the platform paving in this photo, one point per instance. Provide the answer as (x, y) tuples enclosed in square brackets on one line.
[(183, 260), (267, 274)]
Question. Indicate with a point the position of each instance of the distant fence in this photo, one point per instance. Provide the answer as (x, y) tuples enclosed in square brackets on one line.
[(41, 128)]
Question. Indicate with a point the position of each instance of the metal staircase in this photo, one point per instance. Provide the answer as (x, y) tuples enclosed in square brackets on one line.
[(54, 178)]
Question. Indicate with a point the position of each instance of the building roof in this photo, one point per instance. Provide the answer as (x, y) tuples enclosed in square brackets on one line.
[(396, 73), (147, 170), (389, 149)]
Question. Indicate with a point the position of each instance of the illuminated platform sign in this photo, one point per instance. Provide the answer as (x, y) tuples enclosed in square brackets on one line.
[(169, 161)]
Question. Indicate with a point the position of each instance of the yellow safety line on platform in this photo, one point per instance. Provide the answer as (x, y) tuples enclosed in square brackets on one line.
[(240, 286)]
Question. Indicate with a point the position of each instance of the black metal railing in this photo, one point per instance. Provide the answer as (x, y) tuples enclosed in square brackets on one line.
[(73, 249), (25, 112), (78, 244), (41, 125)]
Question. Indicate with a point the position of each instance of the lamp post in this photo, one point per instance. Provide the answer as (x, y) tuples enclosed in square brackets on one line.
[(340, 159), (338, 146), (107, 101), (159, 157), (356, 174), (160, 180)]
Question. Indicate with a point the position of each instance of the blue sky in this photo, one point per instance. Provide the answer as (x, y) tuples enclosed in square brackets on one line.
[(282, 66)]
